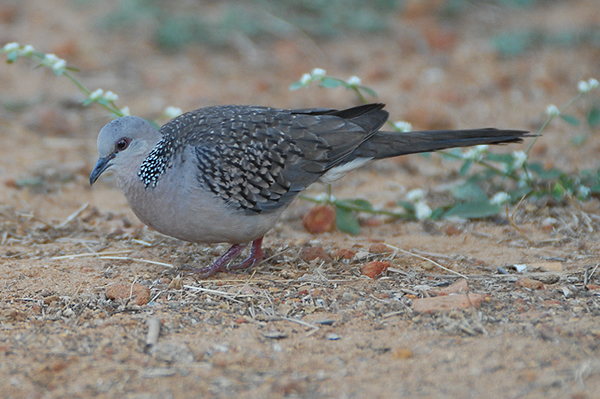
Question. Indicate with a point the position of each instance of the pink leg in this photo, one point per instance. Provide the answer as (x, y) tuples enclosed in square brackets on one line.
[(220, 265)]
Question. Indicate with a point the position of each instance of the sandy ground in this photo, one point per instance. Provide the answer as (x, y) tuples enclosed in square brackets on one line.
[(295, 327)]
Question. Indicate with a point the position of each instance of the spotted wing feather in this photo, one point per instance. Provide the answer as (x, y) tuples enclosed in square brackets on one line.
[(258, 159)]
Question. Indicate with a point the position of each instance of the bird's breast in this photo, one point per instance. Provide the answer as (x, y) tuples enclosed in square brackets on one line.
[(180, 207)]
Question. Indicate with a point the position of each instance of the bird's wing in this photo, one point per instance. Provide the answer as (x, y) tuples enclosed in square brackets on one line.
[(258, 159)]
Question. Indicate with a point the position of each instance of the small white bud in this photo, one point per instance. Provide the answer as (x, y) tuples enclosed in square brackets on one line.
[(415, 195), (59, 66), (305, 79), (125, 111), (422, 210), (28, 50), (583, 86), (475, 153), (95, 95), (318, 73), (593, 83), (8, 47), (172, 112), (354, 81), (519, 158), (110, 96), (403, 126), (584, 191), (500, 198), (50, 59), (552, 110)]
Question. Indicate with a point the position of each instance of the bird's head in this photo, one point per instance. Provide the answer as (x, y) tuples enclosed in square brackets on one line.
[(123, 144)]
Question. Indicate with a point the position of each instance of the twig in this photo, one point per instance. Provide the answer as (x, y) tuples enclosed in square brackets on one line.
[(301, 322), (136, 260), (95, 254), (512, 221), (225, 295), (73, 216), (427, 259)]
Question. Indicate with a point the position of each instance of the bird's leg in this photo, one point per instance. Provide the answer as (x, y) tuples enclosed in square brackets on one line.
[(220, 265), (253, 259)]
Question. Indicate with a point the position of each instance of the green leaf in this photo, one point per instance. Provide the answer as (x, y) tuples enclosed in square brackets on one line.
[(571, 120), (409, 206), (347, 221), (594, 117), (468, 191), (368, 90), (558, 191), (473, 210), (331, 83), (296, 85), (503, 158), (437, 213), (542, 173), (466, 166), (452, 153), (596, 188), (363, 204)]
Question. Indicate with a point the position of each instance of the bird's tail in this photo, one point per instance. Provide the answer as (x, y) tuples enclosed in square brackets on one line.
[(391, 144)]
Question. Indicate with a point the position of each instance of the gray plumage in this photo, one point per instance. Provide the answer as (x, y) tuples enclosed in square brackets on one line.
[(226, 173)]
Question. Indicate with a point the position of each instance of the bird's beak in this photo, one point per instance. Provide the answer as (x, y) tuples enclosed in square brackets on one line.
[(101, 166)]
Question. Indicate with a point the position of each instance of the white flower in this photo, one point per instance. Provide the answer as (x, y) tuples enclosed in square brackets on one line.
[(95, 95), (422, 210), (583, 86), (324, 197), (354, 81), (403, 126), (519, 158), (305, 79), (110, 96), (8, 47), (475, 153), (28, 49), (415, 195), (172, 112), (318, 73), (50, 59), (583, 191), (552, 110), (593, 83), (500, 198), (525, 178), (59, 66), (125, 111)]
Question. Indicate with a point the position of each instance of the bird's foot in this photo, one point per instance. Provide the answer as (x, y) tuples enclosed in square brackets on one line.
[(220, 265)]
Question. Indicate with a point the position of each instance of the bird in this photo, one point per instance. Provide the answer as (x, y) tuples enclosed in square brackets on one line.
[(225, 174)]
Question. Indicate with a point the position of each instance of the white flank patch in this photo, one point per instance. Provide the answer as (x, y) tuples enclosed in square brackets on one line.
[(338, 172)]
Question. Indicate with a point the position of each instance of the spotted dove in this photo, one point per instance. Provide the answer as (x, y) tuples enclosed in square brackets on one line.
[(226, 173)]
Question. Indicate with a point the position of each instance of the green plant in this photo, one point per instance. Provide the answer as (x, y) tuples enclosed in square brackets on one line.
[(59, 66), (504, 179)]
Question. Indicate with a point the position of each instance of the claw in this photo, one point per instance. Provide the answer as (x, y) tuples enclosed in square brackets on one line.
[(220, 265)]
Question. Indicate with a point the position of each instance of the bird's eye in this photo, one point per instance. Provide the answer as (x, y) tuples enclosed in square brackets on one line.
[(122, 144)]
